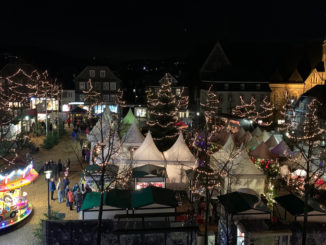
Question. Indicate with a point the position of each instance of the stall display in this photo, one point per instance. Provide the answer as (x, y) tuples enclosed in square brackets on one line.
[(14, 205)]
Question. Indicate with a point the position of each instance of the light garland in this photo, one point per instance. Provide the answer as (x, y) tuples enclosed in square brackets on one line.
[(265, 118), (210, 108), (246, 110)]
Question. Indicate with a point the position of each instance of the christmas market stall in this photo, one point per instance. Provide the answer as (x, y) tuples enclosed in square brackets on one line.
[(14, 206), (149, 175)]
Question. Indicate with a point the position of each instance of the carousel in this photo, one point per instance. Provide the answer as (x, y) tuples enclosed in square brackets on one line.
[(14, 205)]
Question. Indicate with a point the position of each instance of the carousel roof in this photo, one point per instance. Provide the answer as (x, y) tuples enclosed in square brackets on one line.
[(179, 152), (148, 151)]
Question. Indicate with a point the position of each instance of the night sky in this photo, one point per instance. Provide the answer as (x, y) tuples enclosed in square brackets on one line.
[(124, 30)]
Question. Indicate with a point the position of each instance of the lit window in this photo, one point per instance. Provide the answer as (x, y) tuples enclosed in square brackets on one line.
[(181, 114), (140, 112), (102, 73), (177, 91), (113, 86), (106, 86), (92, 73), (82, 85)]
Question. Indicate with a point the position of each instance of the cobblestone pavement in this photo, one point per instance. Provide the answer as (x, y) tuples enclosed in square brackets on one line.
[(37, 192)]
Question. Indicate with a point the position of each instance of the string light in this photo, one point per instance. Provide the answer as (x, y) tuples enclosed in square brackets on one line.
[(265, 117), (246, 110)]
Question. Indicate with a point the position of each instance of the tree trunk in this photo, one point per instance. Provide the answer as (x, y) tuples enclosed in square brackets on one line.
[(99, 227), (305, 214)]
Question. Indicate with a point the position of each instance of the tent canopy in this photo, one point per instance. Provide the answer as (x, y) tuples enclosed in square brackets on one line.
[(271, 142), (262, 152), (127, 122), (179, 152), (282, 150), (229, 146), (133, 137), (257, 132), (264, 136), (148, 151)]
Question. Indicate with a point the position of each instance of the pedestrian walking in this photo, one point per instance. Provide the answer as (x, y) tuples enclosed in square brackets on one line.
[(66, 182), (66, 195), (73, 135), (59, 167), (52, 188), (71, 199), (55, 170), (69, 122), (61, 190)]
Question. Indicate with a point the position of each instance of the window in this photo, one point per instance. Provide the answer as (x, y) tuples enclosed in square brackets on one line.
[(106, 97), (106, 86), (226, 86), (97, 85), (257, 86), (242, 86), (112, 98), (178, 91), (82, 85), (102, 73), (181, 114), (81, 97), (113, 86), (92, 73), (140, 112)]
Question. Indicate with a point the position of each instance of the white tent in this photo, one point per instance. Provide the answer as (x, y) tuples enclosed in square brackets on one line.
[(105, 120), (257, 132), (179, 152), (133, 137), (148, 152), (264, 136), (229, 146), (238, 136), (246, 138), (111, 149)]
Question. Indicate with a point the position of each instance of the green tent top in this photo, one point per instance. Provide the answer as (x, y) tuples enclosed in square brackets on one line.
[(148, 169), (127, 122), (295, 206), (131, 199), (236, 202)]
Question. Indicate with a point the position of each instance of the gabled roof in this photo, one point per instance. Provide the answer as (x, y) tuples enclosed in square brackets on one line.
[(271, 142), (257, 132), (109, 76), (179, 152), (133, 137), (264, 136), (12, 68), (168, 77), (282, 150), (276, 76), (296, 77), (229, 145), (131, 199), (152, 194), (295, 205), (244, 166), (149, 169), (148, 151), (237, 202), (252, 144)]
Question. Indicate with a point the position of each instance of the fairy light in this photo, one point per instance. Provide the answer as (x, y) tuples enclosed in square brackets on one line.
[(265, 117), (286, 111), (163, 107), (210, 108), (245, 110)]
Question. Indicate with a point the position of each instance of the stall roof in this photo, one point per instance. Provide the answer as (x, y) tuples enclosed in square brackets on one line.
[(149, 169), (295, 205), (111, 169), (237, 202)]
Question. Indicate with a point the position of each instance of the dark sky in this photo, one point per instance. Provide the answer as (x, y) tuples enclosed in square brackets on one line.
[(150, 29)]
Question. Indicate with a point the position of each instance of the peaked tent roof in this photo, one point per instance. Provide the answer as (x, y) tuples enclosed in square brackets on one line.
[(238, 136), (252, 144), (264, 136), (179, 152), (221, 137), (229, 145), (257, 132), (168, 77), (127, 121), (246, 138), (133, 137), (148, 150), (282, 150), (95, 134), (237, 202), (244, 166), (271, 142), (262, 152)]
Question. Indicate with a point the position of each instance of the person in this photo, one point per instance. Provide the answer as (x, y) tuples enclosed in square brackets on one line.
[(88, 155), (84, 153), (73, 135), (50, 127), (70, 196), (55, 170), (61, 190), (87, 190), (66, 195), (52, 188), (75, 187), (59, 167), (86, 131), (78, 199), (66, 182), (68, 121)]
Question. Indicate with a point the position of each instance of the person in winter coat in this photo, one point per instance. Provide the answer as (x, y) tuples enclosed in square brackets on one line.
[(66, 182), (70, 197), (66, 195), (60, 167), (52, 188), (74, 189), (78, 199), (61, 190)]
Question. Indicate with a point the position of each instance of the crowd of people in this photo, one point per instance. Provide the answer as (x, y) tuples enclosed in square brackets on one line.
[(72, 196)]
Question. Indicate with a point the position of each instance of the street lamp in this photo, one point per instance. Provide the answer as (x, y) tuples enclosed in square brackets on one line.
[(48, 177)]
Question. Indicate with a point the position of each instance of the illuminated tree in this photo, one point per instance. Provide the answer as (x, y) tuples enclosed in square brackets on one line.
[(248, 111), (163, 107), (265, 117), (286, 112), (306, 136)]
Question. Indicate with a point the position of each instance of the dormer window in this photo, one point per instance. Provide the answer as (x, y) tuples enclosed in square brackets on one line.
[(102, 73), (92, 73)]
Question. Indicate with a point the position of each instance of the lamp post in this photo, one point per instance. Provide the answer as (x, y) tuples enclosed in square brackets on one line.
[(48, 177)]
